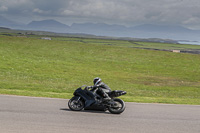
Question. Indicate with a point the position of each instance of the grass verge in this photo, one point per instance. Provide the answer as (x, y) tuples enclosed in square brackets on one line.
[(43, 68)]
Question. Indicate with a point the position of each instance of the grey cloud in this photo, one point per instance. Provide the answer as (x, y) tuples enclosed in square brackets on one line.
[(16, 7), (180, 12)]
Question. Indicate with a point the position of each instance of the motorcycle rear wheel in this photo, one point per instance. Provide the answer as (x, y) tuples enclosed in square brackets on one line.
[(76, 104), (118, 107)]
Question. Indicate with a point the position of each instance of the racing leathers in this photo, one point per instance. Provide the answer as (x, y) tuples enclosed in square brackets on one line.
[(102, 90)]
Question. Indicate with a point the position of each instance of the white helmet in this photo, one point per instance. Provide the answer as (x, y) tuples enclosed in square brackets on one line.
[(96, 81)]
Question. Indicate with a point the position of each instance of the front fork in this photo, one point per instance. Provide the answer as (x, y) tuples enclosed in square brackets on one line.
[(78, 99)]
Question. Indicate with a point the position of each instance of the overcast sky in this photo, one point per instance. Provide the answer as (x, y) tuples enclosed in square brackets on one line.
[(124, 12)]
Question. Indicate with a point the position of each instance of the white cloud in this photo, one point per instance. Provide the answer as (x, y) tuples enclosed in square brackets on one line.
[(39, 11), (67, 12), (3, 8)]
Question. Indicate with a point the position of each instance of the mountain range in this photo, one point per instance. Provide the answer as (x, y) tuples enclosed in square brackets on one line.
[(114, 30)]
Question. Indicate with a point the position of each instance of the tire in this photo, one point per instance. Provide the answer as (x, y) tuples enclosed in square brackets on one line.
[(76, 104), (118, 107)]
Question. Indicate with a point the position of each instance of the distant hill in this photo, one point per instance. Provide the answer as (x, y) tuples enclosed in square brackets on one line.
[(140, 31), (101, 29), (4, 28), (160, 28), (165, 31), (97, 26), (4, 22), (48, 25)]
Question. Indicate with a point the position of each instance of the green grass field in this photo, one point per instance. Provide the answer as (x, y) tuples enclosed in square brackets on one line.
[(44, 68)]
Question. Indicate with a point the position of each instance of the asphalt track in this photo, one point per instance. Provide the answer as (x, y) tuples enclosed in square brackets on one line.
[(44, 115)]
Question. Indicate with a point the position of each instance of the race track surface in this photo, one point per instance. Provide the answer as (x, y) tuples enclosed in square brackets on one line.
[(44, 115)]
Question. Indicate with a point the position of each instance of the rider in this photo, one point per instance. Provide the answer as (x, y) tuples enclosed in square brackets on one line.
[(102, 88)]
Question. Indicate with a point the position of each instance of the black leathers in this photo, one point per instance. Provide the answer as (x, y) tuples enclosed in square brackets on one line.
[(102, 89)]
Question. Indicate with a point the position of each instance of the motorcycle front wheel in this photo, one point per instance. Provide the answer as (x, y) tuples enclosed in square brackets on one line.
[(118, 107), (76, 104)]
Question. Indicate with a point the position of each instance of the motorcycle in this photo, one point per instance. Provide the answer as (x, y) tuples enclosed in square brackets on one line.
[(90, 100)]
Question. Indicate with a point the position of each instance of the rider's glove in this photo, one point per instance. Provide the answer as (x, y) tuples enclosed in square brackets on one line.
[(88, 87)]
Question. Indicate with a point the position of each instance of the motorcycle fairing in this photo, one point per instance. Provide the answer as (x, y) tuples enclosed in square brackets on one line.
[(88, 99)]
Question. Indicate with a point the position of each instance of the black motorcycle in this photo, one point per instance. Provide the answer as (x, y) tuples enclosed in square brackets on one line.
[(90, 100)]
